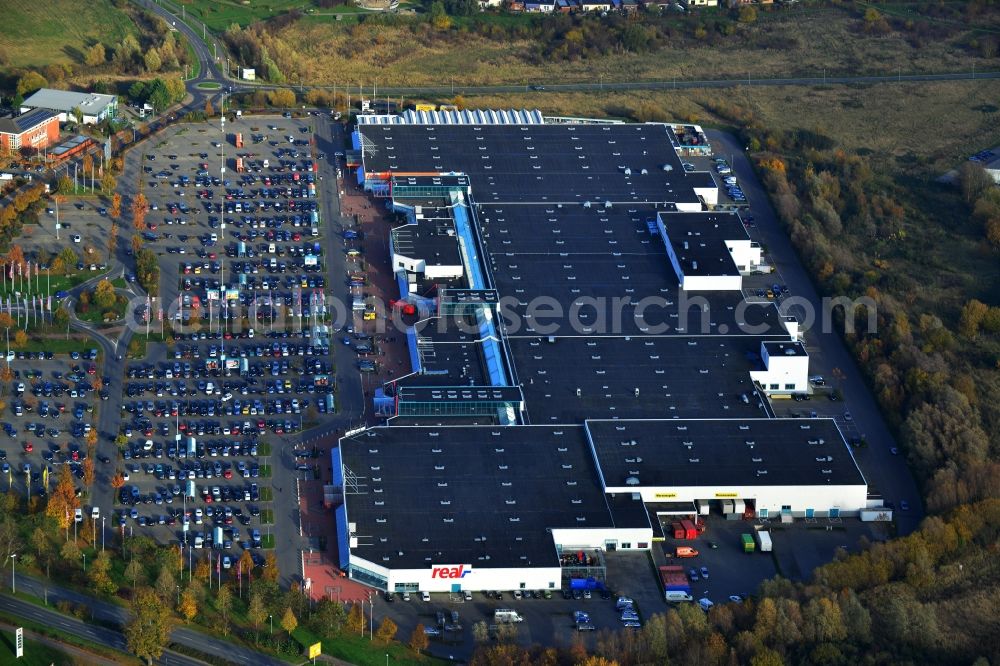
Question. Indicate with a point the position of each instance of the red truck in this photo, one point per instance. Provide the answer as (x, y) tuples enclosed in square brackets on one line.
[(239, 139)]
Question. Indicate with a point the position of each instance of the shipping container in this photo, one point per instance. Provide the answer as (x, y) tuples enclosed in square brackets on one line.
[(675, 584), (764, 541), (678, 530), (748, 544), (239, 140), (690, 531), (239, 165)]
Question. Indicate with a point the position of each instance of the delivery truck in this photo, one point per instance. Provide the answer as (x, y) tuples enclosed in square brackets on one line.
[(506, 616), (678, 530), (239, 139), (217, 538), (764, 541), (239, 165), (676, 587), (690, 531), (748, 544), (687, 551)]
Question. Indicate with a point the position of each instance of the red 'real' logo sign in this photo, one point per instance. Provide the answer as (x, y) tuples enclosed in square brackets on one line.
[(451, 571)]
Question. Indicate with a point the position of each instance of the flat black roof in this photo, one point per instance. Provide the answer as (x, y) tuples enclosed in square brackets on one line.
[(469, 296), (449, 356), (432, 241), (698, 377), (723, 452), (481, 495), (699, 241), (570, 163), (456, 180), (460, 393), (785, 348)]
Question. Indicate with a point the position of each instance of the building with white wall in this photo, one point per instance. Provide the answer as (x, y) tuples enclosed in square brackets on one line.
[(94, 106), (708, 251), (785, 368)]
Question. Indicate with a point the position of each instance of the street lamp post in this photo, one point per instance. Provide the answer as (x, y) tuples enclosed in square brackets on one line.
[(178, 595), (84, 561), (270, 618), (13, 588), (102, 533)]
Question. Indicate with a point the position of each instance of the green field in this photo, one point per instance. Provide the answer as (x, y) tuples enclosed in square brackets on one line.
[(220, 14), (58, 31)]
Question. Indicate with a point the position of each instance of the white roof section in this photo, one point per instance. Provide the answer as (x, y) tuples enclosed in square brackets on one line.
[(91, 104), (466, 117)]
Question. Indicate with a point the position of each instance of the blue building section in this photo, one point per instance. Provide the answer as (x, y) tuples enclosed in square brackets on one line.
[(340, 515), (411, 344), (385, 405)]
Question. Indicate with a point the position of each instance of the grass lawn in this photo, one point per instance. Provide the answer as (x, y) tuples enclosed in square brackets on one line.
[(209, 85), (51, 285), (264, 449), (354, 649), (58, 344), (95, 314), (267, 516), (50, 31), (266, 494), (267, 541), (141, 341), (265, 471), (220, 14)]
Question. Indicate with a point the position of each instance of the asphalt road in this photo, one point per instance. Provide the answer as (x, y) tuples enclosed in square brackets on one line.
[(110, 613), (70, 625), (884, 472)]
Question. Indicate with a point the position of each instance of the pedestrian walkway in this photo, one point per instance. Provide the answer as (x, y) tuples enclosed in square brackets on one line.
[(320, 562)]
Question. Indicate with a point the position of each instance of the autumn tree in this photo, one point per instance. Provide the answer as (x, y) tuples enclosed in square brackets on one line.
[(70, 552), (224, 604), (288, 621), (418, 639), (63, 501), (166, 585), (135, 572), (118, 480), (116, 205), (20, 340), (356, 619), (281, 98), (108, 183), (188, 607), (104, 294), (88, 471), (149, 630), (99, 574), (209, 110), (96, 55), (139, 208), (136, 243), (270, 572), (256, 610)]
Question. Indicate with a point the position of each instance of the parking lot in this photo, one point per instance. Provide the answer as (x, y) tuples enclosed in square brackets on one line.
[(243, 287), (50, 413)]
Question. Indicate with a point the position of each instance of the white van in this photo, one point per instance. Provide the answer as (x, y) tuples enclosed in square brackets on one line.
[(425, 596), (506, 615)]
